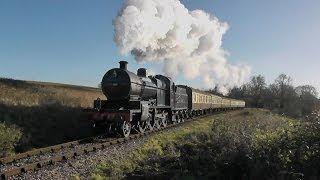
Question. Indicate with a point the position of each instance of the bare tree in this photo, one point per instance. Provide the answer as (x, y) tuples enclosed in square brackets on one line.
[(215, 90), (257, 87), (238, 92), (308, 99), (283, 89), (280, 96), (307, 90)]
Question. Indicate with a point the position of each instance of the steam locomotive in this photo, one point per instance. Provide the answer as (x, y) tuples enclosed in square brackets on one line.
[(138, 103)]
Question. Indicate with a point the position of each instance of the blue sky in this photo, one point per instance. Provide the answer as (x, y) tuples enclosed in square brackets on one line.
[(72, 41)]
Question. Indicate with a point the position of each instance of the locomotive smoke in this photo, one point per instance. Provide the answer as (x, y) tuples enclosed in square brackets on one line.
[(187, 42)]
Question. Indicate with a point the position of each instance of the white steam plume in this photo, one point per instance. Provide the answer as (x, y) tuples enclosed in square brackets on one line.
[(188, 42)]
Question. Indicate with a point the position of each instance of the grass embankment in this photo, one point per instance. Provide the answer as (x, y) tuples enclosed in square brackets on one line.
[(42, 114), (30, 93), (248, 144)]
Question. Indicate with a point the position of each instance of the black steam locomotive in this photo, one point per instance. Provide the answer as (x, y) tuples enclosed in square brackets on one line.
[(137, 102)]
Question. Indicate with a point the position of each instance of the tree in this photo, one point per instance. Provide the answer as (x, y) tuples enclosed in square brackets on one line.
[(286, 99), (215, 91), (238, 92), (308, 98), (281, 88), (257, 87), (280, 96), (307, 90)]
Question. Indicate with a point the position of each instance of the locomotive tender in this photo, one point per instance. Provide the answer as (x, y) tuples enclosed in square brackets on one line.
[(138, 103)]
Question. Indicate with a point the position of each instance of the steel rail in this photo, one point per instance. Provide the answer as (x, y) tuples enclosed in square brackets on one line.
[(49, 149)]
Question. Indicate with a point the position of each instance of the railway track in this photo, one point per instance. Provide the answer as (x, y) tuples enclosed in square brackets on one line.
[(34, 160), (24, 162)]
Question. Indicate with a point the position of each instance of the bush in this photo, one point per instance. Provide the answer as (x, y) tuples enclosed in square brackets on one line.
[(9, 137), (250, 144)]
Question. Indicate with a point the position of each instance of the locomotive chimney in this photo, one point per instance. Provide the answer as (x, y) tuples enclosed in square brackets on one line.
[(142, 72), (123, 65)]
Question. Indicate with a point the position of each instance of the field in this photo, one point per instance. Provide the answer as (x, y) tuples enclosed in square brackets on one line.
[(249, 143), (37, 114), (245, 144)]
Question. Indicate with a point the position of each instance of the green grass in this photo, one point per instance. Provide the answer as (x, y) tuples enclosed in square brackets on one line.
[(251, 144), (42, 113)]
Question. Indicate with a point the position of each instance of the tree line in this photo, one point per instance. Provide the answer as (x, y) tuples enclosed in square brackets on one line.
[(280, 96)]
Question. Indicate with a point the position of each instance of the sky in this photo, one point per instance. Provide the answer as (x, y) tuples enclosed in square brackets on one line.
[(72, 41)]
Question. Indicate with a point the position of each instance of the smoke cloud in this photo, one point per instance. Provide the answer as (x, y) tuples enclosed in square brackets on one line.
[(187, 42)]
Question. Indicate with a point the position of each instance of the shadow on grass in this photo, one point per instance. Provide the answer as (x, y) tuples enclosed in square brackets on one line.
[(46, 125)]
